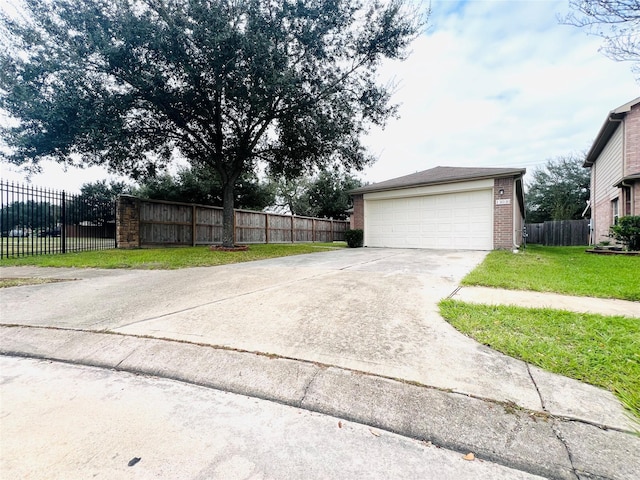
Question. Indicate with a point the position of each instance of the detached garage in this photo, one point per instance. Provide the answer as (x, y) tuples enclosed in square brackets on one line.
[(444, 208)]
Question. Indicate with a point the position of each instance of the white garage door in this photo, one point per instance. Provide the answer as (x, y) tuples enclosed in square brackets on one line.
[(462, 220)]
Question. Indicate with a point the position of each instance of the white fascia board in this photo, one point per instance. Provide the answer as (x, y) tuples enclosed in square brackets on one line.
[(431, 190)]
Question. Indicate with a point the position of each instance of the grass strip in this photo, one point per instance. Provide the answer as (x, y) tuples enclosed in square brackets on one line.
[(566, 270), (168, 258), (600, 350)]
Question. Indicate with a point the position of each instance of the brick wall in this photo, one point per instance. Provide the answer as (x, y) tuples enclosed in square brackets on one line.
[(128, 222), (357, 219), (503, 225), (632, 154), (602, 215), (632, 141)]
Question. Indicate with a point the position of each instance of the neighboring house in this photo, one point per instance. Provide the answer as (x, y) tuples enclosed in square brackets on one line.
[(444, 207), (614, 160)]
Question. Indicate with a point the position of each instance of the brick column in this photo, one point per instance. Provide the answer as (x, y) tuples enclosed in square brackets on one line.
[(358, 212), (503, 225), (128, 222)]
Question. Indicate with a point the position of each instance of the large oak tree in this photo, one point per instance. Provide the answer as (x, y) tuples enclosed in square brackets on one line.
[(227, 84)]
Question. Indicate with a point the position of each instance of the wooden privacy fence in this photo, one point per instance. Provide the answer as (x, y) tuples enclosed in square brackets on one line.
[(142, 222), (559, 233)]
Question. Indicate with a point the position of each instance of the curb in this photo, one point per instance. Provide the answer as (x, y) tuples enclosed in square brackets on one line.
[(500, 433)]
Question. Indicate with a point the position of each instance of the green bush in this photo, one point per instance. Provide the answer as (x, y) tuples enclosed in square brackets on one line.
[(354, 238), (627, 231)]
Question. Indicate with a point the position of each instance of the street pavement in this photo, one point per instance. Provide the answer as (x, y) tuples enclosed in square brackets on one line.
[(350, 334), (84, 422)]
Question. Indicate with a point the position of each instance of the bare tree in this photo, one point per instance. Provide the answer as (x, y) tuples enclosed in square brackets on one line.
[(616, 21)]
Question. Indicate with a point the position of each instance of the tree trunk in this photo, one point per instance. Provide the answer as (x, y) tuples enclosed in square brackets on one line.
[(228, 221)]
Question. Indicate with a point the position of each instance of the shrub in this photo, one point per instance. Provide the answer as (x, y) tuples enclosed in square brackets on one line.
[(627, 231), (354, 238)]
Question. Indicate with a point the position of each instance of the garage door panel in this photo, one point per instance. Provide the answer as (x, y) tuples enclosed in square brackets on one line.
[(461, 228), (457, 220)]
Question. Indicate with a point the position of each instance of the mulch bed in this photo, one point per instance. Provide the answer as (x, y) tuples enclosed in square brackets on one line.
[(602, 251)]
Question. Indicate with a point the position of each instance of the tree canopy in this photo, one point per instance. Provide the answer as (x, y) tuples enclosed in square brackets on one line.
[(559, 190), (325, 195), (226, 84), (103, 191), (329, 194), (198, 185)]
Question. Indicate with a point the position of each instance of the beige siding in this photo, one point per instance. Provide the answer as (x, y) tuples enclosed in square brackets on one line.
[(607, 170)]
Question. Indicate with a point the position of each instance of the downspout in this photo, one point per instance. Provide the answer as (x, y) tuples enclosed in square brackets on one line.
[(629, 185), (624, 149), (584, 212), (592, 202), (515, 210), (520, 212), (624, 143)]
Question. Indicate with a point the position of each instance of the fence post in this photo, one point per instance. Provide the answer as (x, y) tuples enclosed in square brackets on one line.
[(266, 228), (234, 227), (63, 227), (293, 217), (193, 225)]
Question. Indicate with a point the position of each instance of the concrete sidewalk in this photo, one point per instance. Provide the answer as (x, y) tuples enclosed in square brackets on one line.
[(496, 296), (352, 333)]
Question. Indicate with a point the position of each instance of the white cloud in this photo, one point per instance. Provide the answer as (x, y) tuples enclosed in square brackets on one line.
[(498, 83)]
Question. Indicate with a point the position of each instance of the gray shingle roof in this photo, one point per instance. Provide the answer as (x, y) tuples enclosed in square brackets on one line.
[(439, 175)]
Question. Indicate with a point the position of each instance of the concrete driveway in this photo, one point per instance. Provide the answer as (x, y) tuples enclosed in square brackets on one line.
[(353, 334), (371, 310)]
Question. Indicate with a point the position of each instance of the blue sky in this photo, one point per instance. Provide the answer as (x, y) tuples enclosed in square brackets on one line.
[(491, 83)]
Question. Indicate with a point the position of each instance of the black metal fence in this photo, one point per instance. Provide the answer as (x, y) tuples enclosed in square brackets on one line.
[(37, 221)]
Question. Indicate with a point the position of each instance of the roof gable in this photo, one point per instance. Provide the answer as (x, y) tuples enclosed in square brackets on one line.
[(440, 175)]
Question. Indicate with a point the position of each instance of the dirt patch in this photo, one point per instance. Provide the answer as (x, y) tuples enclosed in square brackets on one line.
[(603, 251), (21, 281), (235, 248)]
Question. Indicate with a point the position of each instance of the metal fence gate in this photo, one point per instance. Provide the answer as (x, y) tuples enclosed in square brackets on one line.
[(37, 221)]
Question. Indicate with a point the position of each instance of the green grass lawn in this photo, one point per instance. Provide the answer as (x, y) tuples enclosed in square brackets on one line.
[(600, 350), (168, 258), (567, 270)]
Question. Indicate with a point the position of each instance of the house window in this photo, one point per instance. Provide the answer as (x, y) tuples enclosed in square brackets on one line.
[(615, 212), (626, 195)]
